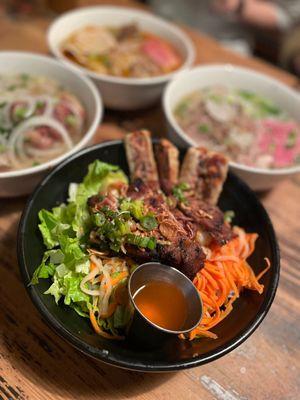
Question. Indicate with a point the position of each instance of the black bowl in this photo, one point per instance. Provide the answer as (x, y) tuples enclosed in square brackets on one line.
[(249, 310)]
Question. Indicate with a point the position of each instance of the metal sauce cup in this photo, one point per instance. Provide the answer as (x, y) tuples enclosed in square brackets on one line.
[(144, 332)]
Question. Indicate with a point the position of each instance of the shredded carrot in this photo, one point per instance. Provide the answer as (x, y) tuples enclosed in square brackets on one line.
[(224, 275), (99, 331), (119, 278), (92, 266)]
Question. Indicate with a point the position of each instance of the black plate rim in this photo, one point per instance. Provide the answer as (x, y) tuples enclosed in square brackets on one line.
[(111, 359)]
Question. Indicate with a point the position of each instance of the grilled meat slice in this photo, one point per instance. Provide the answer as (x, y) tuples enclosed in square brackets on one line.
[(96, 202), (167, 159), (205, 172), (184, 254), (208, 218), (175, 235), (140, 157)]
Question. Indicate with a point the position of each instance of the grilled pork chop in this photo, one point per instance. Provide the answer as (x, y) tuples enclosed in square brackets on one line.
[(183, 227)]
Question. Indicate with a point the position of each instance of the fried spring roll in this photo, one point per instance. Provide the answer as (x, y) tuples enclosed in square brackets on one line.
[(140, 157), (205, 172), (167, 158)]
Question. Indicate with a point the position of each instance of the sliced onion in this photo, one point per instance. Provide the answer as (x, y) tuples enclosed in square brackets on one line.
[(30, 105), (49, 105), (39, 153), (106, 282), (5, 113), (17, 136), (222, 112)]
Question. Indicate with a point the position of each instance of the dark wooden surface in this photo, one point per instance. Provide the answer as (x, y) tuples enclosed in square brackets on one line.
[(36, 364)]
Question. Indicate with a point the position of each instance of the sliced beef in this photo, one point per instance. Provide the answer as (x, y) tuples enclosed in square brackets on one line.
[(127, 32), (96, 202), (208, 218)]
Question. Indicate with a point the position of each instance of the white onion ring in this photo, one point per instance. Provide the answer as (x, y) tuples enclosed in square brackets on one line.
[(17, 134), (40, 153), (49, 105)]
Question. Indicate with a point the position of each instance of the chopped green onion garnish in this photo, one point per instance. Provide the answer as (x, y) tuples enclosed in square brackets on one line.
[(20, 112), (228, 216), (178, 191), (99, 219), (71, 120), (39, 104), (141, 241), (149, 222)]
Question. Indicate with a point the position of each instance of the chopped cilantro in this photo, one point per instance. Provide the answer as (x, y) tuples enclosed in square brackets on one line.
[(291, 140), (272, 147), (181, 108), (204, 128), (24, 77), (297, 159)]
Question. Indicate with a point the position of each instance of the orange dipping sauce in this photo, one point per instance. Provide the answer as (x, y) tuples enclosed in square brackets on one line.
[(163, 304)]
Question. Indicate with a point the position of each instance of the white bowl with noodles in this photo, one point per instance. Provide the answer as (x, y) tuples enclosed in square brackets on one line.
[(20, 182), (122, 93), (285, 98)]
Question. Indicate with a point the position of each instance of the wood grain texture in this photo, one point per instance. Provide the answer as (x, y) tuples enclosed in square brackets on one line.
[(36, 364)]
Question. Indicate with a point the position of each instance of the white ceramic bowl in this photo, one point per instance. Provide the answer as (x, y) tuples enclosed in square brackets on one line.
[(21, 182), (117, 92), (236, 77)]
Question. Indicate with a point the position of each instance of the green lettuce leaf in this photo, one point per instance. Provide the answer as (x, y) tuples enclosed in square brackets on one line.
[(47, 267), (65, 230)]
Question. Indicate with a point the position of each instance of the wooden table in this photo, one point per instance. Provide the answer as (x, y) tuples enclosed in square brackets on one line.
[(36, 364)]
